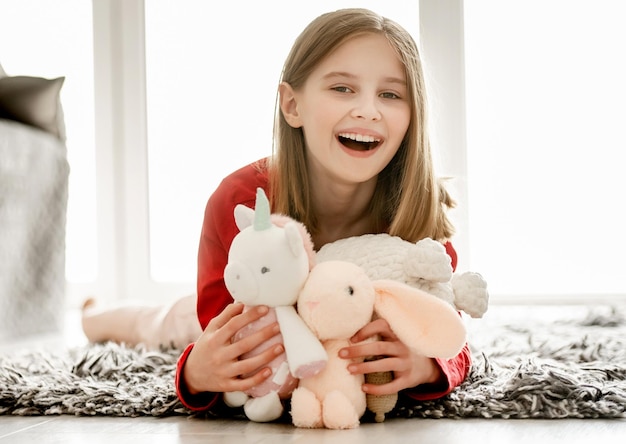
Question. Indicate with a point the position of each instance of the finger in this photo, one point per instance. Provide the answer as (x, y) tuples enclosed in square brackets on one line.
[(252, 341), (377, 365), (243, 384), (379, 327), (236, 322), (226, 315), (245, 318), (370, 330), (244, 367), (367, 349), (383, 389)]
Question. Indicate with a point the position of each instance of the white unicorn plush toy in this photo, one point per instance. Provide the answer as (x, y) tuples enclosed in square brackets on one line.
[(268, 263)]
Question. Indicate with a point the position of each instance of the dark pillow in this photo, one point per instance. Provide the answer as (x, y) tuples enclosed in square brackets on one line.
[(34, 101)]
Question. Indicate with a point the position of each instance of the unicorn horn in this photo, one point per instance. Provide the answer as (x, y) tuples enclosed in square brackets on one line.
[(261, 211)]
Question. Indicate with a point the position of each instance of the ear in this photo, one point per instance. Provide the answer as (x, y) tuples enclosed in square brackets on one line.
[(288, 105), (244, 216), (420, 320), (294, 239)]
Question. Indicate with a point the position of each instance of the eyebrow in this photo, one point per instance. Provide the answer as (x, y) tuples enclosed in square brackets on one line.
[(348, 75)]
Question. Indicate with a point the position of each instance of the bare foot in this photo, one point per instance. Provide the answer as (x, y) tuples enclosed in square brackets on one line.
[(90, 302)]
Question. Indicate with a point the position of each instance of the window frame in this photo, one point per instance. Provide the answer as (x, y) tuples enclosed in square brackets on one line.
[(123, 260)]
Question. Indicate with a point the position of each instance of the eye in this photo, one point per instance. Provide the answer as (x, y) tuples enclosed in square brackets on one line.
[(351, 290), (341, 89), (265, 270), (389, 95)]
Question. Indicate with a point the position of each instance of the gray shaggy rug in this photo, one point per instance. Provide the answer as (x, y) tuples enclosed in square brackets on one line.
[(568, 364)]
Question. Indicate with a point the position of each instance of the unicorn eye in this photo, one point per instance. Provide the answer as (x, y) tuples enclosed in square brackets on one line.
[(351, 290), (264, 270)]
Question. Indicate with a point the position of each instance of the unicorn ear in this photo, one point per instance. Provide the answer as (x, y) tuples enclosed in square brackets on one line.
[(259, 217), (294, 239), (244, 216), (420, 320)]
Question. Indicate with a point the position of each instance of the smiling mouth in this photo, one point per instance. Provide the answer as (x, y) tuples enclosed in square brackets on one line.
[(358, 142)]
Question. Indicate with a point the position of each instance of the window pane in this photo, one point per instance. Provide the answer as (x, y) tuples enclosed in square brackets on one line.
[(212, 72), (546, 93), (48, 39)]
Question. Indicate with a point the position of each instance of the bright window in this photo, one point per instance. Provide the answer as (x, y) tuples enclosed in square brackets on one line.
[(545, 123)]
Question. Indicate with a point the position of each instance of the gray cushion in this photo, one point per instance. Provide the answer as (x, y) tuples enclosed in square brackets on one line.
[(34, 101), (34, 175)]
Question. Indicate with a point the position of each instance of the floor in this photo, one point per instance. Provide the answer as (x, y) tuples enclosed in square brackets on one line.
[(183, 430), (68, 430)]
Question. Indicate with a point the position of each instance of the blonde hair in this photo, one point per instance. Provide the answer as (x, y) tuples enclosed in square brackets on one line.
[(408, 200)]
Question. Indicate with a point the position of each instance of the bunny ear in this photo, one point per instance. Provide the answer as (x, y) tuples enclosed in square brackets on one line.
[(420, 320)]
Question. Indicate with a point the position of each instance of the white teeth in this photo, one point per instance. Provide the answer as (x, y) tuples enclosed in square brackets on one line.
[(359, 137)]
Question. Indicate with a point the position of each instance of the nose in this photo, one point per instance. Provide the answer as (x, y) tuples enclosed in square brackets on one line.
[(366, 108)]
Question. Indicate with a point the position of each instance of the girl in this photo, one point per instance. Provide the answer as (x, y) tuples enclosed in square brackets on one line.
[(351, 156)]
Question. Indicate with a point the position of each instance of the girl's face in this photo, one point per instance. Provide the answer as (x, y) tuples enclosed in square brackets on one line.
[(354, 110)]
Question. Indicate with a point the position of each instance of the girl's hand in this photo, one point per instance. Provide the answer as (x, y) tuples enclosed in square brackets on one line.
[(214, 364), (409, 368)]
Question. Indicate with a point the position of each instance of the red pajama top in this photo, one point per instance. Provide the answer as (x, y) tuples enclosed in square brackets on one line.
[(218, 231)]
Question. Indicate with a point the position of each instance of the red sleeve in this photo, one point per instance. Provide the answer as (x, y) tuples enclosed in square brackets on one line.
[(455, 371), (218, 231), (452, 253)]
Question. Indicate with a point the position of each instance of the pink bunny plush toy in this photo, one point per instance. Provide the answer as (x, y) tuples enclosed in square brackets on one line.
[(268, 263), (424, 265), (336, 301)]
